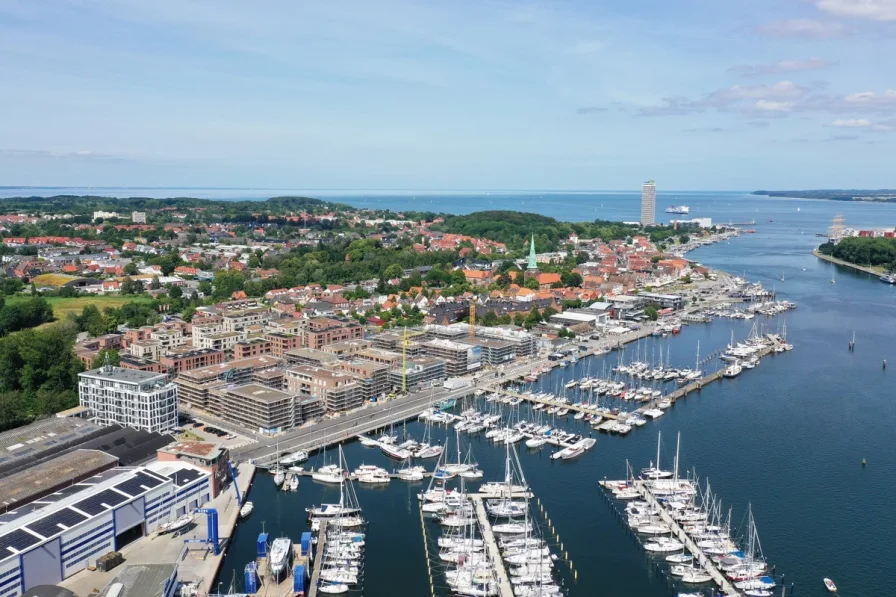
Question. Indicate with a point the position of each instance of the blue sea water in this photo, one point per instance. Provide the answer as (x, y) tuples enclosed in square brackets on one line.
[(786, 438)]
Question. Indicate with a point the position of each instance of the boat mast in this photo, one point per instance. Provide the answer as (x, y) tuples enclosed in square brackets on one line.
[(677, 446)]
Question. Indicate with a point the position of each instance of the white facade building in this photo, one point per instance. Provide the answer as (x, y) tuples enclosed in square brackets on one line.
[(138, 217), (106, 215), (138, 399), (648, 203)]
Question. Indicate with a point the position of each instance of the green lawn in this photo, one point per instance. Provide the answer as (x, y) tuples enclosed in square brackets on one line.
[(64, 306)]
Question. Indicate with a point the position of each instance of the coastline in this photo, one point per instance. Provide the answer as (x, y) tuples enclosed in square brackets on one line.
[(836, 261)]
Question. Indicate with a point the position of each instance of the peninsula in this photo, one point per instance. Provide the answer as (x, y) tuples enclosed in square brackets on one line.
[(882, 195)]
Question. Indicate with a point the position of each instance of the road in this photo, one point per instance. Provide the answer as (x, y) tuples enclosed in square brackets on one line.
[(366, 419)]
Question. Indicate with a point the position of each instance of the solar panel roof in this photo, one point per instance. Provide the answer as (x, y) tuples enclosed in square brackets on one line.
[(185, 476), (18, 540), (94, 504), (49, 525)]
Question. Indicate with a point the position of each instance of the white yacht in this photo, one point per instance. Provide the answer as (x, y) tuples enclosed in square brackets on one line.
[(732, 370), (280, 554)]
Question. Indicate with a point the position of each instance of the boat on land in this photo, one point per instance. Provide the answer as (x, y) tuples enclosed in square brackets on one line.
[(279, 558), (173, 526)]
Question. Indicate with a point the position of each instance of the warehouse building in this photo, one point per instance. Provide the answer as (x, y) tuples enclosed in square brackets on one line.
[(57, 535)]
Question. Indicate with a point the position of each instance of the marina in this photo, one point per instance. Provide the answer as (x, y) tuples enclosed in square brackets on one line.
[(747, 432)]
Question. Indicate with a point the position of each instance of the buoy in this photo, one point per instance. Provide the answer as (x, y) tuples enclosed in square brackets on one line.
[(864, 462), (885, 363)]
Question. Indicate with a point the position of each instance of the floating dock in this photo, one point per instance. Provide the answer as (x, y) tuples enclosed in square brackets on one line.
[(491, 545), (321, 546), (690, 545)]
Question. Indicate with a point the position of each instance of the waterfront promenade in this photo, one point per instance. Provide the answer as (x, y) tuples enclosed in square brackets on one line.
[(859, 268)]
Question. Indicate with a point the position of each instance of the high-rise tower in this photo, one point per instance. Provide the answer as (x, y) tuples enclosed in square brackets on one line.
[(648, 203)]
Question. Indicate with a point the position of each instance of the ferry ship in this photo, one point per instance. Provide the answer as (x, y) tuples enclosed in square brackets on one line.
[(678, 209)]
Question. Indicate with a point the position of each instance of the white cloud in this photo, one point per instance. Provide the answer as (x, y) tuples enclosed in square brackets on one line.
[(871, 99), (852, 123), (803, 28), (779, 90), (772, 106), (781, 67), (873, 10)]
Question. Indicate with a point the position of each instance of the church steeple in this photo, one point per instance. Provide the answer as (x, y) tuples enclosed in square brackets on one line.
[(533, 263)]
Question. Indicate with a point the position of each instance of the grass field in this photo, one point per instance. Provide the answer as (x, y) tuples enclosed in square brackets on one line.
[(64, 306)]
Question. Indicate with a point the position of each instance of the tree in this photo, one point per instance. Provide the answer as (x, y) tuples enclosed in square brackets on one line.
[(548, 312), (531, 284), (205, 287), (684, 239), (227, 282), (651, 312), (175, 292), (100, 359), (393, 271), (489, 319), (130, 286), (155, 284), (130, 269), (570, 279)]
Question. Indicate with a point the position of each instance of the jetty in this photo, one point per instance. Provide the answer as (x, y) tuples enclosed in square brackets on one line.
[(321, 546), (705, 562), (491, 545)]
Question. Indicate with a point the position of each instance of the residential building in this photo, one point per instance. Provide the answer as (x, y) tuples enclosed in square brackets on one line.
[(420, 372), (337, 391), (194, 386), (648, 203), (311, 357), (460, 359), (235, 321), (185, 359), (373, 378), (320, 331), (138, 217), (128, 397), (261, 408), (281, 342), (251, 347), (223, 341)]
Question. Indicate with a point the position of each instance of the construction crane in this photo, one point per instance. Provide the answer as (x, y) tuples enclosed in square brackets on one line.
[(472, 320), (404, 357)]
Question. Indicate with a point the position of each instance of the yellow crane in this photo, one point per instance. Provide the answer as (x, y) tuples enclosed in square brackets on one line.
[(405, 341), (472, 319)]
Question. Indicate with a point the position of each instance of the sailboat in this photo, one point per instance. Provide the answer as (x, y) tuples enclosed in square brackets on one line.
[(655, 472)]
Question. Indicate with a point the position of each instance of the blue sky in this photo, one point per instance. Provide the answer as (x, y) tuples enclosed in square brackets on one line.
[(698, 94)]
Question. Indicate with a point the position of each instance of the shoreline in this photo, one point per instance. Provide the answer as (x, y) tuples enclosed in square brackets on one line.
[(835, 261)]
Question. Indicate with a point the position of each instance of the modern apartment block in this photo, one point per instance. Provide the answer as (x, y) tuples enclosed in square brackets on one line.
[(420, 372), (320, 331), (235, 321), (337, 391), (251, 347), (281, 342), (372, 377), (310, 357), (494, 352), (195, 386), (460, 359), (180, 360), (128, 397), (648, 203), (223, 341), (264, 409)]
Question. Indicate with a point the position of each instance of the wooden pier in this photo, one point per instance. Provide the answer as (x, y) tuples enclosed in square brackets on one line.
[(318, 560), (678, 532), (505, 589)]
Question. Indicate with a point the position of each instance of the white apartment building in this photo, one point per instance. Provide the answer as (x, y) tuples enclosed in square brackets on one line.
[(138, 217), (128, 397), (648, 203)]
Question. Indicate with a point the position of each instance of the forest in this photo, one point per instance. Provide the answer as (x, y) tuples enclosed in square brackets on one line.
[(863, 251)]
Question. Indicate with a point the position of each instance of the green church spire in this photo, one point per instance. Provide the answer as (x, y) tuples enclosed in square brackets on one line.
[(533, 264)]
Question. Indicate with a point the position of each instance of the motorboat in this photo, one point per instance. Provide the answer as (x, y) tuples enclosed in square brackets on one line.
[(414, 473), (395, 452), (294, 483), (375, 478), (281, 550), (333, 588), (829, 585), (246, 510), (732, 370), (536, 442), (294, 458)]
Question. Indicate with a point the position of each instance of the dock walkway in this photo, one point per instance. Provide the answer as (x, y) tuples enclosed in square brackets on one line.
[(504, 587), (319, 558), (705, 563)]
